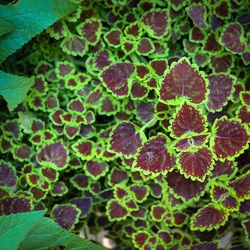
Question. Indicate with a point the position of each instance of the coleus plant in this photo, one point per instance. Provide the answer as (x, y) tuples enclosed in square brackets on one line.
[(137, 123)]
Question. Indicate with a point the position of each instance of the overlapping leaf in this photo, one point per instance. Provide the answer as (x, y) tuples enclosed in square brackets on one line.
[(183, 80), (230, 138), (154, 156), (117, 78), (208, 218)]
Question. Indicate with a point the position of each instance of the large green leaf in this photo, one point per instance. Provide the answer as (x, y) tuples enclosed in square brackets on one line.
[(30, 231), (30, 17), (14, 88), (15, 227), (46, 233), (5, 27)]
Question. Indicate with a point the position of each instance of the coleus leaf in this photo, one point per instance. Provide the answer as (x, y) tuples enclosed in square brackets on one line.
[(7, 174), (108, 106), (186, 189), (117, 78), (140, 238), (245, 207), (113, 38), (139, 192), (102, 59), (186, 144), (154, 156), (120, 192), (14, 205), (125, 139), (221, 63), (50, 174), (220, 88), (117, 176), (224, 170), (90, 30), (196, 164), (232, 38), (84, 204), (145, 111), (145, 47), (208, 218), (134, 30), (95, 169), (241, 185), (80, 181), (196, 35), (211, 44), (53, 155), (198, 14), (22, 152), (156, 22), (244, 114), (138, 91), (116, 211), (230, 203), (159, 66), (66, 215), (229, 138), (183, 80), (74, 45), (245, 98), (84, 149), (157, 212), (187, 120), (222, 9), (37, 193), (64, 69)]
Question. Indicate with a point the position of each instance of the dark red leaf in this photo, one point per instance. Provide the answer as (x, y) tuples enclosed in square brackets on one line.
[(198, 13), (14, 205), (54, 155), (96, 168), (154, 155), (125, 139), (185, 188), (232, 38), (116, 211), (84, 204), (241, 185), (90, 30), (183, 80), (7, 174), (208, 218), (65, 215), (196, 164), (156, 22), (230, 138), (188, 119), (220, 87), (117, 78)]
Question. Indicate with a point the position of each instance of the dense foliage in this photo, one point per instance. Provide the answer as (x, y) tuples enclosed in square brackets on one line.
[(137, 123)]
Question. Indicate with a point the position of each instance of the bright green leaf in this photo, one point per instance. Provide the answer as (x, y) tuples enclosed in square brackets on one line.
[(30, 18), (5, 27), (15, 227), (26, 119), (47, 233), (14, 88)]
